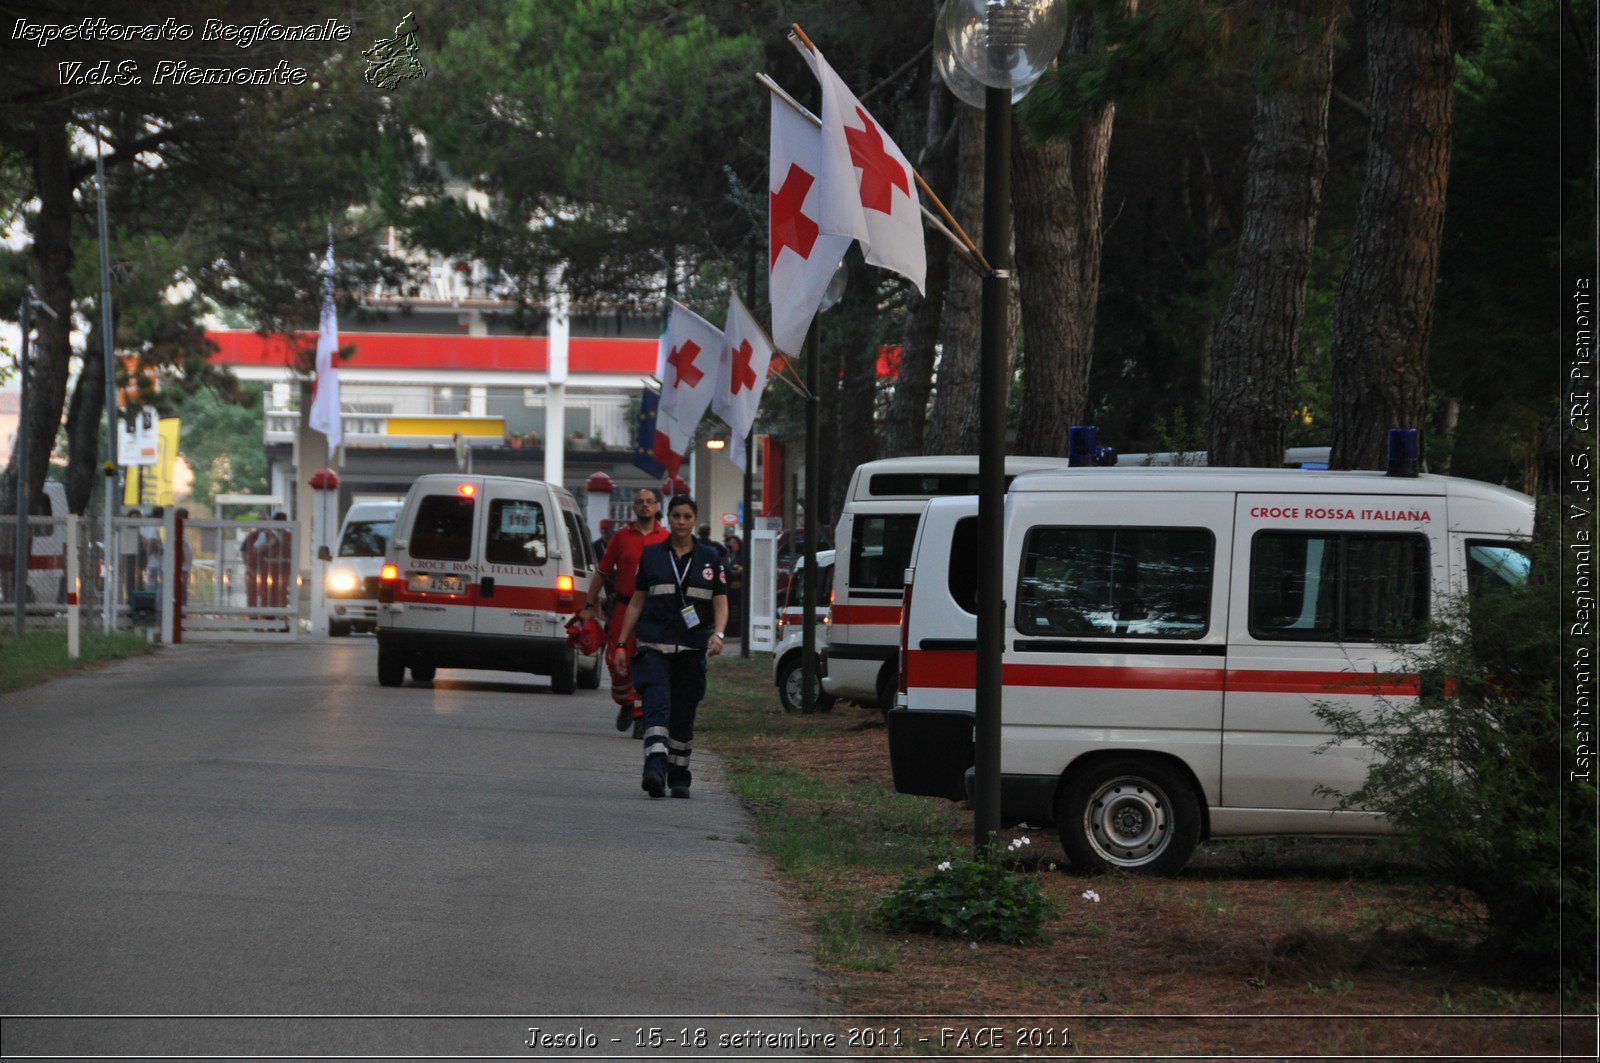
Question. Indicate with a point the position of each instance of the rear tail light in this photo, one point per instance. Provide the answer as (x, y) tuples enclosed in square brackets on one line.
[(905, 632), (564, 596), (387, 578)]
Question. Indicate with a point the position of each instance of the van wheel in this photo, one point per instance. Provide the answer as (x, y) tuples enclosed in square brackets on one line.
[(590, 679), (1131, 814), (565, 678), (888, 687), (790, 684), (338, 629), (391, 667), (424, 673)]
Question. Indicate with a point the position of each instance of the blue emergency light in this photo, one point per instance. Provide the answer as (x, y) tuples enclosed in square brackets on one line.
[(1403, 452)]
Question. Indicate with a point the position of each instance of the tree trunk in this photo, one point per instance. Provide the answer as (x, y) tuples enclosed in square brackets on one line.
[(955, 398), (1058, 192), (86, 423), (51, 348), (907, 414), (1384, 313), (1256, 345)]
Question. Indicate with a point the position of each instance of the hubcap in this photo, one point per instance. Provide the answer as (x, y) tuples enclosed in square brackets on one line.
[(793, 690), (1126, 821)]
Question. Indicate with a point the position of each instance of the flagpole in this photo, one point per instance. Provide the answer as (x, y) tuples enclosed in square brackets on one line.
[(749, 476), (808, 639), (966, 247)]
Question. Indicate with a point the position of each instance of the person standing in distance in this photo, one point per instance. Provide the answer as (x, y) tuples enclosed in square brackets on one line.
[(678, 610), (621, 560)]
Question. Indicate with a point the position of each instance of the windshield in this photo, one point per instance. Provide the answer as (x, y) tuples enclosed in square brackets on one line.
[(366, 538)]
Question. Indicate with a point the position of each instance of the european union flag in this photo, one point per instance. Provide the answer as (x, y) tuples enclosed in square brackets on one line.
[(644, 444)]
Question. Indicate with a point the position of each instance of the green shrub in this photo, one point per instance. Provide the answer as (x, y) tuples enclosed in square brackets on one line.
[(1476, 772), (981, 900)]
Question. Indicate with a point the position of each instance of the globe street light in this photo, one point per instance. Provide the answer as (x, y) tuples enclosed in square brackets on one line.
[(1004, 45)]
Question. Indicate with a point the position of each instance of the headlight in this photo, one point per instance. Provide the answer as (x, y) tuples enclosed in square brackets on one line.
[(341, 581)]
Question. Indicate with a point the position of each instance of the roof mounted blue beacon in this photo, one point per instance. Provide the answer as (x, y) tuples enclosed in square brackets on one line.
[(1080, 445), (1403, 452)]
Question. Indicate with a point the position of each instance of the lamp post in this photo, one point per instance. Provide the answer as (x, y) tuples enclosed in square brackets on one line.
[(20, 548), (1004, 46)]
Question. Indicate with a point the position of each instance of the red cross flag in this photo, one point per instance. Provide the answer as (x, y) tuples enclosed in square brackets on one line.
[(694, 346), (801, 259), (746, 353), (879, 207)]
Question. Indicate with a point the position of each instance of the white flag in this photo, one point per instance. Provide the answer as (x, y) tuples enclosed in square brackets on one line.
[(879, 207), (688, 379), (801, 259), (324, 416), (742, 373)]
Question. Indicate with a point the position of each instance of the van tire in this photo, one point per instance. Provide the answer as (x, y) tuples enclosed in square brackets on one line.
[(789, 684), (338, 629), (590, 680), (424, 673), (888, 687), (391, 667), (1144, 803), (564, 680)]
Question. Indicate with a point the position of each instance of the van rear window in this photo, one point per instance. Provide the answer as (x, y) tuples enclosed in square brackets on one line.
[(1116, 582), (517, 533), (880, 550), (1331, 587), (366, 538), (443, 528)]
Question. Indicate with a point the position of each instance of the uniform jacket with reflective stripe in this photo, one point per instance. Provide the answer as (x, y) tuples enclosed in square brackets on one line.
[(661, 622)]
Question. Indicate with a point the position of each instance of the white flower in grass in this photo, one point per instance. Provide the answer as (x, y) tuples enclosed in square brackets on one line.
[(945, 866), (1091, 896)]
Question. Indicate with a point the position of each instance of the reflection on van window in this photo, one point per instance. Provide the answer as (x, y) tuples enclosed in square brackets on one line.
[(1116, 582), (1327, 587), (516, 533), (366, 538), (1491, 566), (443, 530), (880, 550)]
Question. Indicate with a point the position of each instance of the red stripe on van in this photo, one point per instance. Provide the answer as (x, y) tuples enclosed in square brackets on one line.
[(504, 597), (957, 670), (866, 614), (1265, 681)]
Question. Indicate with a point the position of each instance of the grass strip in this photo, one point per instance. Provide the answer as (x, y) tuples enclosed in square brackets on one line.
[(839, 843), (39, 656)]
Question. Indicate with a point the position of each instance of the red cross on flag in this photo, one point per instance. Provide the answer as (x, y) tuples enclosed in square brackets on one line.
[(746, 353), (689, 377), (879, 207), (801, 259)]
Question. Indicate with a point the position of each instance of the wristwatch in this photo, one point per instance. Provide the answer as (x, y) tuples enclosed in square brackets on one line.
[(717, 635)]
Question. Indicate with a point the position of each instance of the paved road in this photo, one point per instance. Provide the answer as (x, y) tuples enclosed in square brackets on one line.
[(267, 832)]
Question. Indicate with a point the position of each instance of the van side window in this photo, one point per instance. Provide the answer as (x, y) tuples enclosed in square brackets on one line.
[(443, 528), (1333, 587), (582, 557), (963, 581), (1492, 566), (880, 550), (516, 533), (1116, 582)]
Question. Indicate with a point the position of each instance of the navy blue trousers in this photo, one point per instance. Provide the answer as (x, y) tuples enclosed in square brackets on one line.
[(671, 686)]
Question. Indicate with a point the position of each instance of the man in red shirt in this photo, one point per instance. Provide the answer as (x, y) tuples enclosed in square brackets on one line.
[(622, 557)]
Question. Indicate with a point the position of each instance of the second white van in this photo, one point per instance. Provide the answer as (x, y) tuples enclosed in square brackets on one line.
[(1168, 637)]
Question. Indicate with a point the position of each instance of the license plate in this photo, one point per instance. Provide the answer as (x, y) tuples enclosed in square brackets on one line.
[(434, 583)]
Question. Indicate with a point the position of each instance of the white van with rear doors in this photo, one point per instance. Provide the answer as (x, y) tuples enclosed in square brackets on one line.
[(352, 580), (883, 504), (1169, 634), (484, 572)]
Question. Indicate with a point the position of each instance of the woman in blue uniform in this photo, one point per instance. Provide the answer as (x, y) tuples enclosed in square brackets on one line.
[(678, 611)]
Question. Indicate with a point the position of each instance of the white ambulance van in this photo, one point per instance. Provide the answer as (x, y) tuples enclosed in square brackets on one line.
[(1168, 636), (788, 656), (484, 572), (352, 581), (873, 540)]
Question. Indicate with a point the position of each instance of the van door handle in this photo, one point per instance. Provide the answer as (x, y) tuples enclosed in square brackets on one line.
[(486, 587)]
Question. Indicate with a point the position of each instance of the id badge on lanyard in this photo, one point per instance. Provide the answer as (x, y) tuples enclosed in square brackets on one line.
[(691, 619)]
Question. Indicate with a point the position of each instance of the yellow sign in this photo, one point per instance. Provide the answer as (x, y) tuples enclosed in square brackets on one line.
[(445, 426), (152, 485)]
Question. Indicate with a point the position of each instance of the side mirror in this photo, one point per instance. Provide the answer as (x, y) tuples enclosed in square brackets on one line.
[(324, 554)]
